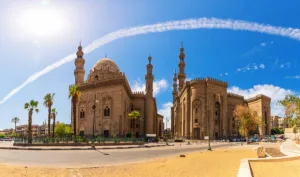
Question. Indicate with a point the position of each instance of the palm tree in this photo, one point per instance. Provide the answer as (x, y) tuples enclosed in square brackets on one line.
[(133, 116), (48, 102), (74, 93), (15, 120), (54, 113), (31, 106)]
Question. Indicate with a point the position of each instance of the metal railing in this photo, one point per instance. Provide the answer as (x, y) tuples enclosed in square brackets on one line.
[(78, 139)]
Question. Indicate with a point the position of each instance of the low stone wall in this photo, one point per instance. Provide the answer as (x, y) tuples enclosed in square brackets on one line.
[(79, 144)]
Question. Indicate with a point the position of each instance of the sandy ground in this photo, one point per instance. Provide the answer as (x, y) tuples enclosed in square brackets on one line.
[(272, 169), (218, 163)]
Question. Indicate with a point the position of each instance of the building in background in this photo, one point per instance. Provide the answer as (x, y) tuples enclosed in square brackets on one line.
[(204, 102), (22, 130), (107, 89), (278, 122)]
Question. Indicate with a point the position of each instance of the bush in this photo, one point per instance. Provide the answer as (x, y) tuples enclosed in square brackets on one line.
[(128, 135), (87, 141)]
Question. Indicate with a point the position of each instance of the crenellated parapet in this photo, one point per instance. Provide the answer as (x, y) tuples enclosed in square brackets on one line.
[(216, 81), (136, 93)]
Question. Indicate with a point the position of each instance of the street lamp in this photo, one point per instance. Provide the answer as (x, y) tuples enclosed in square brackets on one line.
[(238, 125), (208, 130), (94, 107)]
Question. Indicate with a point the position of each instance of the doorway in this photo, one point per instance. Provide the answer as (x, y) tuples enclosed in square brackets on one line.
[(106, 133)]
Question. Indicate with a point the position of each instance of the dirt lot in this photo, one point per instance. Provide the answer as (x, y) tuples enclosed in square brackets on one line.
[(223, 162)]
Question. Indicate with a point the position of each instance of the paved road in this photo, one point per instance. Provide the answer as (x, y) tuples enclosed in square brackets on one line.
[(92, 158)]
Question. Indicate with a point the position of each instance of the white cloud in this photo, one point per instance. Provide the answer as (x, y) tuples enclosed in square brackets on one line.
[(255, 67), (165, 110), (262, 66), (263, 44), (158, 86), (221, 75), (226, 74), (274, 92), (239, 69), (282, 66)]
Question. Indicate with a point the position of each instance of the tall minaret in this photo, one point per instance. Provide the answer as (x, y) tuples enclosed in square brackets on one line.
[(174, 86), (79, 63), (149, 79), (181, 74)]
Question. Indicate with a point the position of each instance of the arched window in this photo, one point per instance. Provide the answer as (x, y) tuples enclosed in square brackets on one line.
[(81, 114), (106, 111), (131, 107), (96, 78)]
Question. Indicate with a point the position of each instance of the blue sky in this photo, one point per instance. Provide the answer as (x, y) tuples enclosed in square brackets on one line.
[(251, 62)]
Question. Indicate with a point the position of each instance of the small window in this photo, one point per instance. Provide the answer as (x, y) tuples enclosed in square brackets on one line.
[(196, 120), (216, 113), (82, 114), (137, 125), (96, 78), (106, 111)]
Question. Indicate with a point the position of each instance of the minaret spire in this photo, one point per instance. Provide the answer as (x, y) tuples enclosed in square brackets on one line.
[(149, 78), (181, 65), (79, 63), (175, 93)]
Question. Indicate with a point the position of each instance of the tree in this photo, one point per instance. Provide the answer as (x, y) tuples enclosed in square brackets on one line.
[(291, 103), (295, 131), (31, 106), (133, 116), (54, 113), (247, 118), (74, 93), (275, 131), (48, 102), (15, 120), (62, 130)]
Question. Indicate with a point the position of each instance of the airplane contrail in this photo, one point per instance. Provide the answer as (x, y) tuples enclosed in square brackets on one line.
[(188, 24)]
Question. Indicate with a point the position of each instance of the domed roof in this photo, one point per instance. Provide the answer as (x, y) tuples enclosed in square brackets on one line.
[(106, 64)]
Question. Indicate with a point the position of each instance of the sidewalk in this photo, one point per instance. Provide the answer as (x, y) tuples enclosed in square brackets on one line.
[(290, 148), (9, 145)]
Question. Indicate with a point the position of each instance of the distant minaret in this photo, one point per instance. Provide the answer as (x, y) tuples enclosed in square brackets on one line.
[(181, 74), (174, 86), (79, 63), (149, 79)]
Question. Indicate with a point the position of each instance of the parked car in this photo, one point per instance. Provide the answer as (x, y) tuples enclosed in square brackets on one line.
[(265, 140), (253, 140)]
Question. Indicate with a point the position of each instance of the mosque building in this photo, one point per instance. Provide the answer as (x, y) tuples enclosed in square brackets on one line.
[(108, 89), (204, 104)]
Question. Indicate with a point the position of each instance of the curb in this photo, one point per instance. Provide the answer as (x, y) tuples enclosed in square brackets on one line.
[(89, 148)]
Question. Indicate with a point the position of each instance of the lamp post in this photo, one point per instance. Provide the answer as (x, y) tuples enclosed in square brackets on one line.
[(208, 130), (238, 124), (94, 107)]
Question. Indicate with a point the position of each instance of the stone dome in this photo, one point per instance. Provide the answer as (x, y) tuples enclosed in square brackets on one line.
[(106, 64)]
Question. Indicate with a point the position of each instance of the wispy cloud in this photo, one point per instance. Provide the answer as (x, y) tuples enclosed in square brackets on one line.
[(274, 92), (293, 77), (257, 49), (200, 23), (251, 67), (225, 74), (158, 86)]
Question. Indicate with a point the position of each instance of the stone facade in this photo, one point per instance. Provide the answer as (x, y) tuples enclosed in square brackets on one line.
[(204, 102), (108, 91)]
